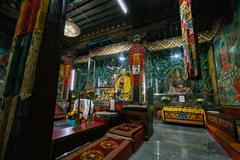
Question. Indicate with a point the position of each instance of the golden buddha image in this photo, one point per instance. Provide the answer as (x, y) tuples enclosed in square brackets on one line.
[(123, 85)]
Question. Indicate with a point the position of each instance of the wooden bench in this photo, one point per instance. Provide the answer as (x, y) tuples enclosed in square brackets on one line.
[(222, 126), (225, 120)]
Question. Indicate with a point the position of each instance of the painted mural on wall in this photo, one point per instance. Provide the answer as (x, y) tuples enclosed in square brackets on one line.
[(227, 60), (4, 56), (166, 73), (108, 68), (3, 62), (81, 79)]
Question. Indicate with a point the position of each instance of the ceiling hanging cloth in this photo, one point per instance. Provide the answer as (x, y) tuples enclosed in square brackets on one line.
[(190, 39)]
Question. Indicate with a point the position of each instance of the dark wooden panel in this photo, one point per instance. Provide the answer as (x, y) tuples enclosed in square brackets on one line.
[(67, 139)]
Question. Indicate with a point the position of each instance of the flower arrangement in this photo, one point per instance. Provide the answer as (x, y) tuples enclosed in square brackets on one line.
[(200, 102), (77, 117), (90, 94), (72, 115), (165, 100)]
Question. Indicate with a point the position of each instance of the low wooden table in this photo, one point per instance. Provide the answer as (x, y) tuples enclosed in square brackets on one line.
[(143, 113), (112, 118), (67, 139)]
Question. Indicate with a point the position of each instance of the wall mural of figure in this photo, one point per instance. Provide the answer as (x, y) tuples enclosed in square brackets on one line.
[(227, 60), (166, 73), (3, 62), (4, 56), (179, 82), (236, 88)]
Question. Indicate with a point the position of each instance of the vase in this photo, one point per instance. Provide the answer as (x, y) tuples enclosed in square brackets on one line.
[(70, 122)]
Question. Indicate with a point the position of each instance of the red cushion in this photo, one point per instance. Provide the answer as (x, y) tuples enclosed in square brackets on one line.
[(107, 148), (101, 108), (118, 106), (127, 129)]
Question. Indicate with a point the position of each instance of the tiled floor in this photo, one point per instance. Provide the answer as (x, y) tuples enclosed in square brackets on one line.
[(174, 142)]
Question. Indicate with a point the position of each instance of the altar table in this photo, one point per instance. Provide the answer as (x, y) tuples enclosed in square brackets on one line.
[(186, 115)]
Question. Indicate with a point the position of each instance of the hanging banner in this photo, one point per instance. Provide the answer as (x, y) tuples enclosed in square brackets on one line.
[(31, 16), (67, 77), (136, 60), (189, 39)]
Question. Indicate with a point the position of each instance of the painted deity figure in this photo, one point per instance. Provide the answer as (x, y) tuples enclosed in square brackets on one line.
[(123, 85), (179, 84), (226, 65), (236, 89)]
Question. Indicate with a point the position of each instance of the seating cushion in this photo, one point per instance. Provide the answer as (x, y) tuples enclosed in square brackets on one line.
[(127, 129), (135, 131), (107, 148)]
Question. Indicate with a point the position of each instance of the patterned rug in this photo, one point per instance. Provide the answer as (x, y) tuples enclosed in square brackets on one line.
[(106, 148)]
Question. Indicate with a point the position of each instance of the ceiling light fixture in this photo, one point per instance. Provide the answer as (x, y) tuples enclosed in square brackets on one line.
[(123, 6), (122, 58), (71, 29)]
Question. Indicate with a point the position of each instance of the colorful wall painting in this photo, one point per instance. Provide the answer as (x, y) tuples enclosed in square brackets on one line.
[(227, 60), (166, 73), (3, 62), (4, 57), (165, 69)]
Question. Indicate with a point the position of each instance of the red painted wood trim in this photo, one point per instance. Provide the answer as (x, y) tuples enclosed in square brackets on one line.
[(232, 111)]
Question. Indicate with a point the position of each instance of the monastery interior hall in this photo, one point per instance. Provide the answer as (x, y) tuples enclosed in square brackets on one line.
[(120, 80)]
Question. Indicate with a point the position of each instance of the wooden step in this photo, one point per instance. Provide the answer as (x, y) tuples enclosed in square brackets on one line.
[(228, 143)]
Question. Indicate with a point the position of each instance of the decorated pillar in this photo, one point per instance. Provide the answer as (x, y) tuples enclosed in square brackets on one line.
[(31, 83), (190, 39), (136, 61), (68, 65)]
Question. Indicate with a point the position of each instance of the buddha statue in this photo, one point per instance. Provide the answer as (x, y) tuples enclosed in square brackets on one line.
[(123, 85)]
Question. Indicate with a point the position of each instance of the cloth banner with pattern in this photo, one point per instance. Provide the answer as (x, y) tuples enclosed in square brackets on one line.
[(189, 39)]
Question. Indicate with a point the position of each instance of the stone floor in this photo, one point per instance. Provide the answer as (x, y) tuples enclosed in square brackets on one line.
[(174, 142)]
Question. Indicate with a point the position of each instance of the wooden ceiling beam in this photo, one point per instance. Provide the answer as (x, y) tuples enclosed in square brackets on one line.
[(105, 20), (80, 3), (98, 17), (86, 7), (91, 13), (94, 12)]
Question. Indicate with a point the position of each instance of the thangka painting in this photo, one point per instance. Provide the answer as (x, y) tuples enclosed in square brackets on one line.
[(227, 60), (3, 62), (4, 56)]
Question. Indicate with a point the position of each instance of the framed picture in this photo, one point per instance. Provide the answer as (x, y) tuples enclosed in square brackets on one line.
[(181, 99), (136, 69)]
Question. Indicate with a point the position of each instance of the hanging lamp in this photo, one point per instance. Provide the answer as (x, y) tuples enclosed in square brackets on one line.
[(71, 29)]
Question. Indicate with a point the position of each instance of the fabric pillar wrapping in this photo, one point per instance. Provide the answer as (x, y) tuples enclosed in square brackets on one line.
[(136, 60), (189, 39)]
